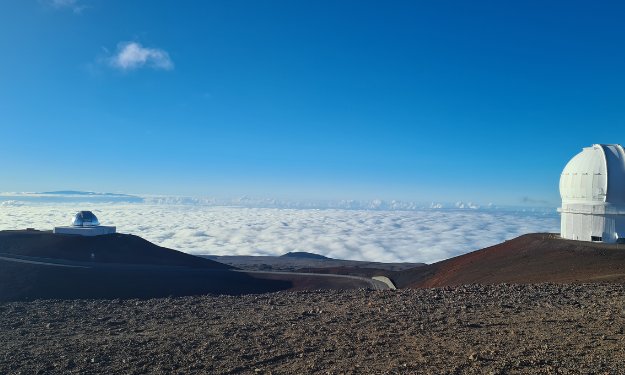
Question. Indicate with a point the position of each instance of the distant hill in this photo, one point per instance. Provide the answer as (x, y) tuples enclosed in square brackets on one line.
[(88, 193), (42, 265), (316, 264), (73, 196), (303, 255), (531, 258), (112, 248)]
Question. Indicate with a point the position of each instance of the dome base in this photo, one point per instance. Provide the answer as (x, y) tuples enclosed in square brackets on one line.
[(85, 231), (593, 227)]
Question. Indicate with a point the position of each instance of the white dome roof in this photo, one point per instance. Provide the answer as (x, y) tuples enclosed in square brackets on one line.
[(595, 175)]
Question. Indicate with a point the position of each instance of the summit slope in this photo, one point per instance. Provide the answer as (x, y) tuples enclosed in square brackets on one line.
[(531, 258)]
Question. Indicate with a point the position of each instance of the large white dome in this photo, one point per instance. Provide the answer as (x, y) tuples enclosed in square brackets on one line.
[(596, 176), (592, 186)]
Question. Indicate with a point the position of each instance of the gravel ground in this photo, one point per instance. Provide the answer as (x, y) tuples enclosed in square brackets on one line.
[(542, 328)]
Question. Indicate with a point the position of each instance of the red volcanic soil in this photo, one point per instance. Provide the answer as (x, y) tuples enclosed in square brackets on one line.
[(531, 258)]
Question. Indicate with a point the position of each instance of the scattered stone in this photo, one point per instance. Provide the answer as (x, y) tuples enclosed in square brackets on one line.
[(502, 329)]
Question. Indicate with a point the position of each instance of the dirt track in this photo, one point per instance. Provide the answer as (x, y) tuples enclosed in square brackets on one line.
[(469, 329)]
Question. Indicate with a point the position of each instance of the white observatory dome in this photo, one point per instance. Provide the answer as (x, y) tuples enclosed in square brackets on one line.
[(85, 219), (592, 187), (585, 177)]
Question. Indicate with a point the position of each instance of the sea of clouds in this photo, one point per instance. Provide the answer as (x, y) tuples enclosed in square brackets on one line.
[(417, 235)]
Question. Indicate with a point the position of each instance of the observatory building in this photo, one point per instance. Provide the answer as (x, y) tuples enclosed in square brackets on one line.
[(85, 223), (592, 187)]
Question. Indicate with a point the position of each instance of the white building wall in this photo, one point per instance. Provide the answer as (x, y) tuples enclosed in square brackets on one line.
[(582, 227), (85, 231)]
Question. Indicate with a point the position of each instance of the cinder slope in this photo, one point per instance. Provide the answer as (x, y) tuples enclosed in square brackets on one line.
[(42, 265), (531, 258), (112, 248)]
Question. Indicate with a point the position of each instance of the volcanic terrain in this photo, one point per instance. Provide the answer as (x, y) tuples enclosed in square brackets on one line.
[(498, 329), (308, 262), (531, 258), (564, 314), (36, 265)]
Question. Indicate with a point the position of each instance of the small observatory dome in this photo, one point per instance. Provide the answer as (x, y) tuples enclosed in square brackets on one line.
[(592, 188), (85, 219)]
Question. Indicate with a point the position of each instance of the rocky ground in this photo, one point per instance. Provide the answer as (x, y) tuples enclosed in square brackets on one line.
[(543, 328)]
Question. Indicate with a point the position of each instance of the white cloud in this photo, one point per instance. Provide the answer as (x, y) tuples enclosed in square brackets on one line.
[(415, 236), (132, 55), (75, 5), (11, 203)]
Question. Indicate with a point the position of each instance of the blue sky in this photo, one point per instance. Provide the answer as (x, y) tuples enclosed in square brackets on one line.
[(414, 100)]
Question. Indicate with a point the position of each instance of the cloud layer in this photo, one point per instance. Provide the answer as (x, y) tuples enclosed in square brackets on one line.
[(132, 55), (387, 236)]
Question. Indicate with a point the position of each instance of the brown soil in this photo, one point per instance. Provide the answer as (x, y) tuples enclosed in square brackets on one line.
[(504, 329), (532, 258)]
